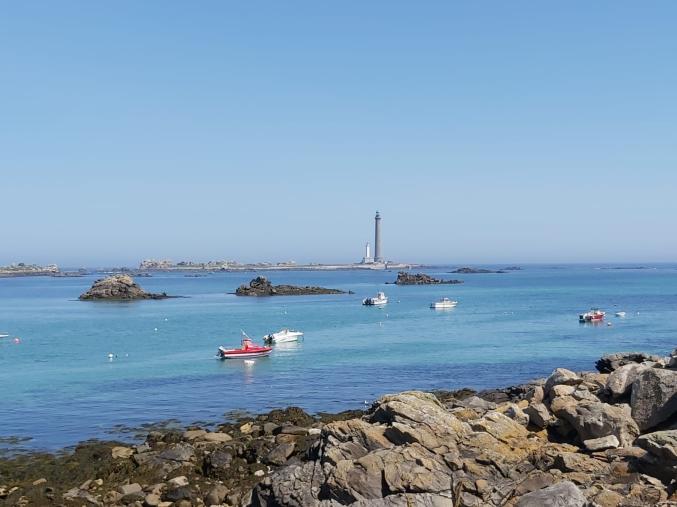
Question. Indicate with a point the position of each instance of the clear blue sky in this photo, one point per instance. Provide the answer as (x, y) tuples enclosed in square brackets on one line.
[(482, 131)]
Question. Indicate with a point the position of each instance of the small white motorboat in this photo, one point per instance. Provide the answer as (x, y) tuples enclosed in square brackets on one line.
[(620, 314), (283, 336), (379, 300), (443, 303)]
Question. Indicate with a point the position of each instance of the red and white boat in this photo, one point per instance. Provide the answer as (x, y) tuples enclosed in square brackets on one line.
[(594, 315), (248, 350)]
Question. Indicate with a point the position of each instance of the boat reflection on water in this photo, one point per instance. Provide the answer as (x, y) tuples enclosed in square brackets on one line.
[(443, 304), (288, 347), (592, 323), (247, 368)]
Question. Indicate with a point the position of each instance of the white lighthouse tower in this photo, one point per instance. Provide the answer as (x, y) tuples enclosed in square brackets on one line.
[(367, 259)]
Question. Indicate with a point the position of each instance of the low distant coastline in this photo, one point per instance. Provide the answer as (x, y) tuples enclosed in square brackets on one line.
[(22, 269), (146, 268), (234, 266)]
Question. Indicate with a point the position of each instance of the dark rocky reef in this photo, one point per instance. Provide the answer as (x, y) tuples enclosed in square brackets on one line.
[(261, 286), (118, 288), (404, 278), (474, 271)]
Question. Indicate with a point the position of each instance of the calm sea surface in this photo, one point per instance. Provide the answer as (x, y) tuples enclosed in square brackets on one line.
[(58, 386)]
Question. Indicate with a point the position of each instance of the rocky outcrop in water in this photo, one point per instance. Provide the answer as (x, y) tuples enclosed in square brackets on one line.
[(404, 278), (556, 441), (261, 286), (118, 288), (475, 271)]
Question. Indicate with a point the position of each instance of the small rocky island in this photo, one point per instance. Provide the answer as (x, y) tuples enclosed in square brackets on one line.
[(261, 286), (474, 271), (404, 278), (573, 439), (118, 288)]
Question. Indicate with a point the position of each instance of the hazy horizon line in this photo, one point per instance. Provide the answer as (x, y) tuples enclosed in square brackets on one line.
[(111, 265)]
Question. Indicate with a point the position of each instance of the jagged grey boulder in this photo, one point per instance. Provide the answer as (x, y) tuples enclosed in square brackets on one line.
[(539, 415), (294, 486), (620, 380), (602, 443), (408, 500), (596, 419), (662, 444), (517, 414), (562, 494), (654, 397), (561, 376), (280, 454), (476, 403), (672, 360), (661, 460)]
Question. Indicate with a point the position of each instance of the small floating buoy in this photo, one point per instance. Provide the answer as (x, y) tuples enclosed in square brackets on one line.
[(110, 356), (155, 329), (17, 340), (609, 324), (165, 319)]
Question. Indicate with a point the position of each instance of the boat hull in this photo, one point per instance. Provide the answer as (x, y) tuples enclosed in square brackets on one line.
[(283, 337), (244, 354), (375, 302)]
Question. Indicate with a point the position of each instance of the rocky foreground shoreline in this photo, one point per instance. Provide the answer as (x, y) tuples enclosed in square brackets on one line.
[(587, 439)]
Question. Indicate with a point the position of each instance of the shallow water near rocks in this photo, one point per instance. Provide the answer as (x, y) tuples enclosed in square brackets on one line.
[(59, 387)]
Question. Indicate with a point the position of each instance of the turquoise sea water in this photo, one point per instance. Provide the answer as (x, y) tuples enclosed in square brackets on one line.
[(59, 387)]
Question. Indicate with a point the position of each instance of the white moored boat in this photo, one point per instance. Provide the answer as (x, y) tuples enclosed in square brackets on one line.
[(379, 300), (443, 303), (282, 336), (620, 314)]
